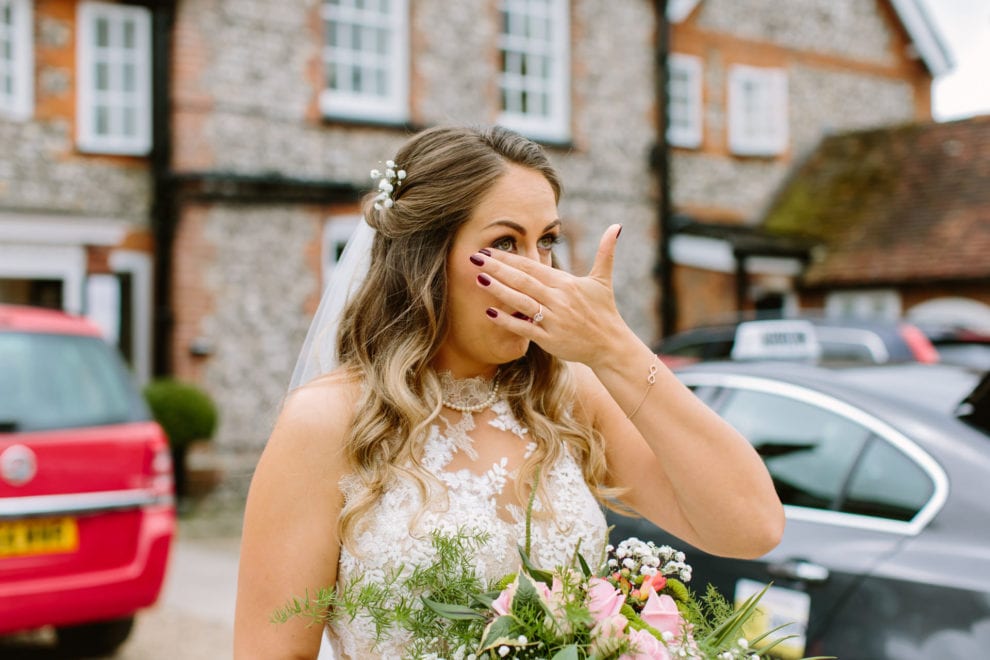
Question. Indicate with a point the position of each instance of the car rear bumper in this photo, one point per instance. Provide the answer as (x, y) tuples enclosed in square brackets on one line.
[(97, 595)]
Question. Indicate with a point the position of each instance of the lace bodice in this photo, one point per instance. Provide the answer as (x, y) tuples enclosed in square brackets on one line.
[(475, 503)]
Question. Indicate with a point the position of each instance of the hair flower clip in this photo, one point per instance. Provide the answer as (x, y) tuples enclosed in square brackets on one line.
[(388, 182)]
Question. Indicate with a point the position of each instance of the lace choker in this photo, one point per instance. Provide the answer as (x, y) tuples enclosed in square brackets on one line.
[(468, 395)]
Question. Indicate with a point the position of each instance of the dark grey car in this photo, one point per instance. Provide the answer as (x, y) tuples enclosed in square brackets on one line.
[(887, 493)]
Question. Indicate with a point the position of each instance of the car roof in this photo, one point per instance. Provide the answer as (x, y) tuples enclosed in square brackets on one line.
[(22, 318), (937, 388)]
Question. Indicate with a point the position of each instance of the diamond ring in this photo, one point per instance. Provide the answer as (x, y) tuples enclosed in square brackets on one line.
[(539, 315)]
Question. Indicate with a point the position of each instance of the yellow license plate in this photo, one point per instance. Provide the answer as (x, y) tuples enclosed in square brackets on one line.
[(39, 536)]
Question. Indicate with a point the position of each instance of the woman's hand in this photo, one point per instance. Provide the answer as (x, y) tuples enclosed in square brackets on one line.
[(571, 317)]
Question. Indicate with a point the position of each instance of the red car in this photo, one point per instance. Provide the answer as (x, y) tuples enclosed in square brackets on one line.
[(87, 508)]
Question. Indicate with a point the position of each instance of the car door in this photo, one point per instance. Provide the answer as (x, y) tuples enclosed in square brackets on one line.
[(811, 444)]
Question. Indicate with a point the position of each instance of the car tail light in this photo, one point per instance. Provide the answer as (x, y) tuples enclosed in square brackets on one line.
[(161, 481), (921, 348)]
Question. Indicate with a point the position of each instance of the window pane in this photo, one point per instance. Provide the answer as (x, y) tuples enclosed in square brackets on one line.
[(381, 41), (130, 121), (102, 119), (102, 78), (887, 484), (807, 449), (129, 34), (381, 82), (129, 81), (102, 33), (356, 31)]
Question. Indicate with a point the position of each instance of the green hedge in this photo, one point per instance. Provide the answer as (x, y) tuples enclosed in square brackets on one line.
[(185, 412)]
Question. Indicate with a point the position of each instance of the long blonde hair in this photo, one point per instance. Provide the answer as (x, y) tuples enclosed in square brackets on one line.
[(394, 326)]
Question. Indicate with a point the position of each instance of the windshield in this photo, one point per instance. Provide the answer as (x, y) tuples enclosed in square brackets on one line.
[(50, 381)]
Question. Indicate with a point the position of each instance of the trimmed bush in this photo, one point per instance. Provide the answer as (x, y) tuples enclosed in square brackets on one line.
[(185, 412)]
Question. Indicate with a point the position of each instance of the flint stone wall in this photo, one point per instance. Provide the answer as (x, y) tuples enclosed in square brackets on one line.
[(36, 175), (252, 108), (820, 100)]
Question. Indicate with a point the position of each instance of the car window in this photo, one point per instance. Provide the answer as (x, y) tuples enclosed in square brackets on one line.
[(887, 484), (61, 381), (808, 450)]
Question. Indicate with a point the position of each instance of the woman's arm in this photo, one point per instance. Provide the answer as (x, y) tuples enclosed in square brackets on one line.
[(683, 467), (686, 469), (289, 546)]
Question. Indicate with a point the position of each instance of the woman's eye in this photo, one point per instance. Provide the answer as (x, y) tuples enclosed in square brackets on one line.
[(505, 244), (547, 242)]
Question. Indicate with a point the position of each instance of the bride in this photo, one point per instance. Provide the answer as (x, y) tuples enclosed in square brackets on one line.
[(461, 363)]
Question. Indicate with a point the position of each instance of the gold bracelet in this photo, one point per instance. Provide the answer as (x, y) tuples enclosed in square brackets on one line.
[(650, 380)]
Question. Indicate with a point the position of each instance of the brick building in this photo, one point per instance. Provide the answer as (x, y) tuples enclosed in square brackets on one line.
[(755, 84), (208, 155), (75, 189)]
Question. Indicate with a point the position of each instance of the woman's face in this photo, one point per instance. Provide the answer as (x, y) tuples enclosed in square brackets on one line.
[(518, 214)]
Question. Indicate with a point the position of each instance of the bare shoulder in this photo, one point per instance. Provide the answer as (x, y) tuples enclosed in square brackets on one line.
[(312, 426)]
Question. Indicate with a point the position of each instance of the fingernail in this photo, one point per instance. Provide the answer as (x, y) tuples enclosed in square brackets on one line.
[(477, 261), (484, 280), (491, 312), (618, 232), (486, 252), (519, 315)]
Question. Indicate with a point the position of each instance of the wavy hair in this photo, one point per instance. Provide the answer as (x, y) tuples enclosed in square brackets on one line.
[(396, 322)]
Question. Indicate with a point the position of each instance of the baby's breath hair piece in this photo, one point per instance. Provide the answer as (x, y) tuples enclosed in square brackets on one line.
[(388, 183)]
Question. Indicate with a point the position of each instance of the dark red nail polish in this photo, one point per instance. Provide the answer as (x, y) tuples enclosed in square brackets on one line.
[(618, 232), (486, 252), (519, 315), (477, 261), (484, 280), (491, 312)]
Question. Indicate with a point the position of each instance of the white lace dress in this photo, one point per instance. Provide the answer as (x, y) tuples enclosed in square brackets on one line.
[(470, 505)]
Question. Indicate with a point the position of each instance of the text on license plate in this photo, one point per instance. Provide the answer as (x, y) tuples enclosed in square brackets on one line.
[(38, 536)]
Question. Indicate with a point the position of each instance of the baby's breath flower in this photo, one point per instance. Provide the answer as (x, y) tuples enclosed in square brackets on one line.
[(388, 182)]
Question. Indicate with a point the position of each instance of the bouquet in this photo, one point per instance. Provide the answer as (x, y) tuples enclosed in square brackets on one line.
[(635, 606)]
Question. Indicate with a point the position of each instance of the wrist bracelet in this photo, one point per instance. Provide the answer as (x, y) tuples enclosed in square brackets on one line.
[(650, 380)]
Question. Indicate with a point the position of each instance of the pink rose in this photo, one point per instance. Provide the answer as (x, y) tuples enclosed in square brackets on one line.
[(607, 635), (661, 613), (503, 603), (645, 647), (604, 600)]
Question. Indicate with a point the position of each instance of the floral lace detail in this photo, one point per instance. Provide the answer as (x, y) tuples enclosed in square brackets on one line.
[(505, 420), (468, 392), (396, 531)]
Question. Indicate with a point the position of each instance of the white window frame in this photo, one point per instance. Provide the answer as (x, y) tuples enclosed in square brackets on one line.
[(19, 104), (393, 106), (115, 142), (688, 134), (768, 133), (555, 125)]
